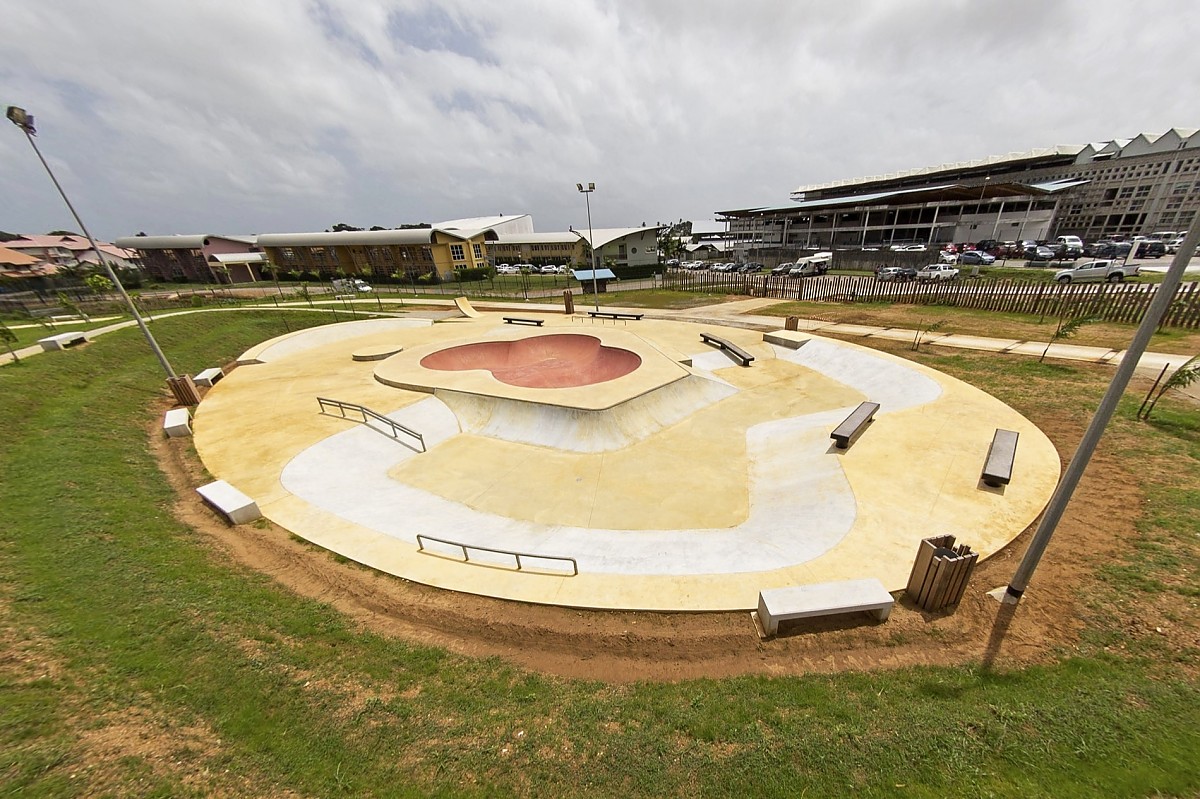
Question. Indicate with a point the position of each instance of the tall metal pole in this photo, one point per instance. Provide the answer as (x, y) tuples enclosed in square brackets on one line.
[(25, 123), (1104, 412), (591, 187)]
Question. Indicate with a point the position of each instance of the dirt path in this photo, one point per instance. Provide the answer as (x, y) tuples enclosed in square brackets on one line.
[(628, 646)]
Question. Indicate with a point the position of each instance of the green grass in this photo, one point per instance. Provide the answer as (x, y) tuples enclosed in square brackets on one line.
[(970, 321), (141, 620), (28, 331)]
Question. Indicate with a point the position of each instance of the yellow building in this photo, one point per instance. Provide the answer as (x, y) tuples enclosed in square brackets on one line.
[(409, 253)]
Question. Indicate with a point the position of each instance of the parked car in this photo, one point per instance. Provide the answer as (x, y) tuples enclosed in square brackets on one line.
[(1173, 245), (507, 269), (976, 257), (1150, 248), (783, 268), (911, 248), (1041, 253), (1096, 271), (948, 257), (350, 285), (895, 274), (938, 272)]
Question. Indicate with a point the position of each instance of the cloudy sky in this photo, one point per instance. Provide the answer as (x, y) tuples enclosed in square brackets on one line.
[(258, 116)]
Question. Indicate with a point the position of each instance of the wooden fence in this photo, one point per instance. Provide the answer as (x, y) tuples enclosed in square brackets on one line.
[(1110, 302)]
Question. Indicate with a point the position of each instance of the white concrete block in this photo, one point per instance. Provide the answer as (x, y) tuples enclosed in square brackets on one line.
[(233, 504), (822, 599), (209, 377), (177, 423), (62, 341)]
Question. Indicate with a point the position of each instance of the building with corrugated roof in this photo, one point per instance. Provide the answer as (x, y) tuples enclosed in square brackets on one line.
[(1122, 187), (636, 246), (407, 253), (186, 257)]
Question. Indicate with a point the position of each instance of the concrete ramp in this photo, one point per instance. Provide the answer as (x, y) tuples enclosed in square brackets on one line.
[(467, 309), (581, 430)]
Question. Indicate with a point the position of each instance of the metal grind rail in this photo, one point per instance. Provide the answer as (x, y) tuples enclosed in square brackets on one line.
[(421, 539), (369, 414)]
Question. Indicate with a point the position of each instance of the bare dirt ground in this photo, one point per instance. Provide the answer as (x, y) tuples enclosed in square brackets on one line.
[(629, 646)]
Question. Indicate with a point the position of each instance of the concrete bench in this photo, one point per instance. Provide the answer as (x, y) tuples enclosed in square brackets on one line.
[(997, 469), (63, 340), (209, 377), (853, 425), (615, 315), (820, 599), (517, 320), (177, 423), (731, 349), (229, 502)]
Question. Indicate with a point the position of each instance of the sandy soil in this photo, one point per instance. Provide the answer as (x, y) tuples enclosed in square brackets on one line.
[(628, 646)]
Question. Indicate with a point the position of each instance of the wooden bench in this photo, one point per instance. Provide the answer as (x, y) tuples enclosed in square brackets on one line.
[(997, 469), (517, 320), (731, 349), (615, 315), (820, 599), (209, 377), (853, 425), (177, 423), (229, 502), (62, 340)]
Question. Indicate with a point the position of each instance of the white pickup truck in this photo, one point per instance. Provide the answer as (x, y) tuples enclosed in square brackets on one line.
[(1096, 271), (938, 272)]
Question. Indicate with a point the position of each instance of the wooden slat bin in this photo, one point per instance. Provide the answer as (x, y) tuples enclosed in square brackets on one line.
[(940, 574)]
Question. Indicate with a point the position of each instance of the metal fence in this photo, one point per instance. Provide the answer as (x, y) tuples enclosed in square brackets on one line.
[(468, 548), (367, 415), (1110, 302)]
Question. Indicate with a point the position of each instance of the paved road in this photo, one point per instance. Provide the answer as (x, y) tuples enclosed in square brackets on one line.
[(739, 313)]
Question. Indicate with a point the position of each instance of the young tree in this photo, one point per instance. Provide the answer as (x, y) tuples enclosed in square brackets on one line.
[(98, 284), (70, 305), (1183, 377), (9, 338), (925, 330), (1066, 329)]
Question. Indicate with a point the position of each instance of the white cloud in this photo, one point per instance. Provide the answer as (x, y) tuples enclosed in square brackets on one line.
[(279, 115)]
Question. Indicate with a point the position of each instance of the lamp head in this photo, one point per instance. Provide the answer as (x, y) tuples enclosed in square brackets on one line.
[(579, 186), (21, 119)]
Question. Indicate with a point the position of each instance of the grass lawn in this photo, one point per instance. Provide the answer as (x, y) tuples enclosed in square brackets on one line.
[(28, 332), (136, 661)]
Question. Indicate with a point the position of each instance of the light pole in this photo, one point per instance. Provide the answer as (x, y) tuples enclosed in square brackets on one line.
[(25, 122), (591, 187)]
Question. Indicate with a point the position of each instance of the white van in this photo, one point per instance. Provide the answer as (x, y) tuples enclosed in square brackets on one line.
[(1070, 241)]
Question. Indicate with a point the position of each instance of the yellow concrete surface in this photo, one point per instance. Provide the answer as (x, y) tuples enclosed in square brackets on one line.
[(914, 473)]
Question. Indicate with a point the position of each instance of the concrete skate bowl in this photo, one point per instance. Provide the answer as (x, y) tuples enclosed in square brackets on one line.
[(561, 360)]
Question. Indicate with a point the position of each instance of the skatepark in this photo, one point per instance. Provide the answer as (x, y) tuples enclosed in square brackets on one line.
[(619, 466)]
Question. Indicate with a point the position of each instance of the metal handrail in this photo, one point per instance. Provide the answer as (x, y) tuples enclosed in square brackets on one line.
[(367, 413), (421, 539)]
